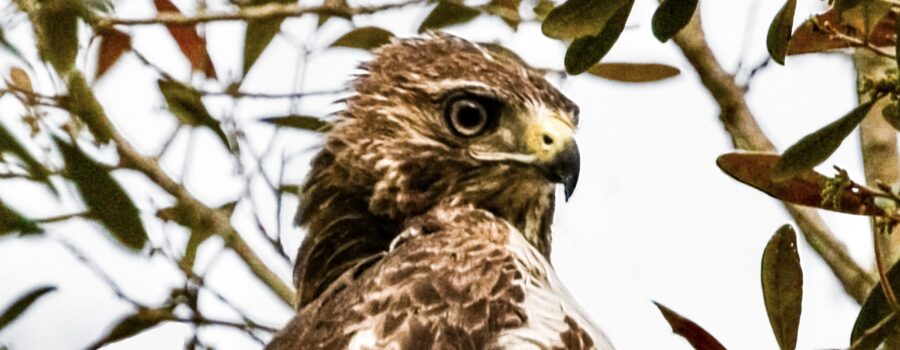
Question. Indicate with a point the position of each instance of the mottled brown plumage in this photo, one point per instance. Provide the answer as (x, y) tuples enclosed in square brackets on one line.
[(428, 210)]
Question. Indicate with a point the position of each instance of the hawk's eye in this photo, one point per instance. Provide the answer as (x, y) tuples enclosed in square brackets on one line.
[(469, 116)]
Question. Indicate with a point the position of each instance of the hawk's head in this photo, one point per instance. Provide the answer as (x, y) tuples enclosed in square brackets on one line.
[(441, 119)]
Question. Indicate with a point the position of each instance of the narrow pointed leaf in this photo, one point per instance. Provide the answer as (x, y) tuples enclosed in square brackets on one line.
[(580, 18), (299, 122), (446, 14), (542, 9), (259, 34), (113, 44), (366, 38), (782, 284), (671, 16), (133, 325), (584, 52), (82, 102), (11, 221), (804, 188), (56, 31), (12, 312), (9, 144), (780, 32), (634, 72), (699, 338), (876, 310), (507, 10), (104, 197), (186, 104), (815, 148), (192, 45)]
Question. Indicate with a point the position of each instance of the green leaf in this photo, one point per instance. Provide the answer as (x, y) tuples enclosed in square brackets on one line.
[(11, 221), (815, 148), (23, 303), (780, 32), (542, 9), (671, 16), (587, 51), (698, 337), (9, 144), (782, 284), (299, 122), (366, 38), (84, 104), (186, 104), (446, 14), (56, 31), (259, 34), (104, 197), (891, 113), (581, 18), (866, 331), (507, 10), (634, 72), (134, 324)]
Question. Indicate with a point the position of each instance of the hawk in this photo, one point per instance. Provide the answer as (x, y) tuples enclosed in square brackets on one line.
[(428, 210)]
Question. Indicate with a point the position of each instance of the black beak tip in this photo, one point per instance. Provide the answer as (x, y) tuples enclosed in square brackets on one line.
[(569, 186)]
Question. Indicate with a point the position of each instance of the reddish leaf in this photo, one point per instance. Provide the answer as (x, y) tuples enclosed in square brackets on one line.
[(699, 338), (189, 41), (805, 188), (113, 44), (818, 34), (812, 37)]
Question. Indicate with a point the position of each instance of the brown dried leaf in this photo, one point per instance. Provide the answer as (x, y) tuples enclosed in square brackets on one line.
[(20, 80), (805, 188), (192, 45), (812, 37), (634, 72), (113, 44)]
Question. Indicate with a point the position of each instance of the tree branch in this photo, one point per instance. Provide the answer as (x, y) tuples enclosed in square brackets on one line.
[(746, 134), (216, 220), (268, 11), (878, 144)]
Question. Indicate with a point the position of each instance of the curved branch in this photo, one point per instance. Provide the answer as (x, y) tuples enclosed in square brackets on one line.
[(746, 134)]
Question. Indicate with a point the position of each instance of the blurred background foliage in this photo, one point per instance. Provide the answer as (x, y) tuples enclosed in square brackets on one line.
[(73, 149)]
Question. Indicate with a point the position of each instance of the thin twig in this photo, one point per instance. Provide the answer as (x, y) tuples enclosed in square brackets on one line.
[(268, 11), (746, 134)]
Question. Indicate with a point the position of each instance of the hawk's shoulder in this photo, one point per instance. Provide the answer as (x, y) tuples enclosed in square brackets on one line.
[(456, 279)]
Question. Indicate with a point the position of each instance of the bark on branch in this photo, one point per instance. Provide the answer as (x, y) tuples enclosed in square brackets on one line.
[(746, 134)]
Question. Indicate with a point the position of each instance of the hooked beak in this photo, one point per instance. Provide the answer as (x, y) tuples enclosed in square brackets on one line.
[(551, 139), (564, 168)]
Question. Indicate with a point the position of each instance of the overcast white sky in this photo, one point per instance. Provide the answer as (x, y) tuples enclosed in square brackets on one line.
[(652, 219)]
